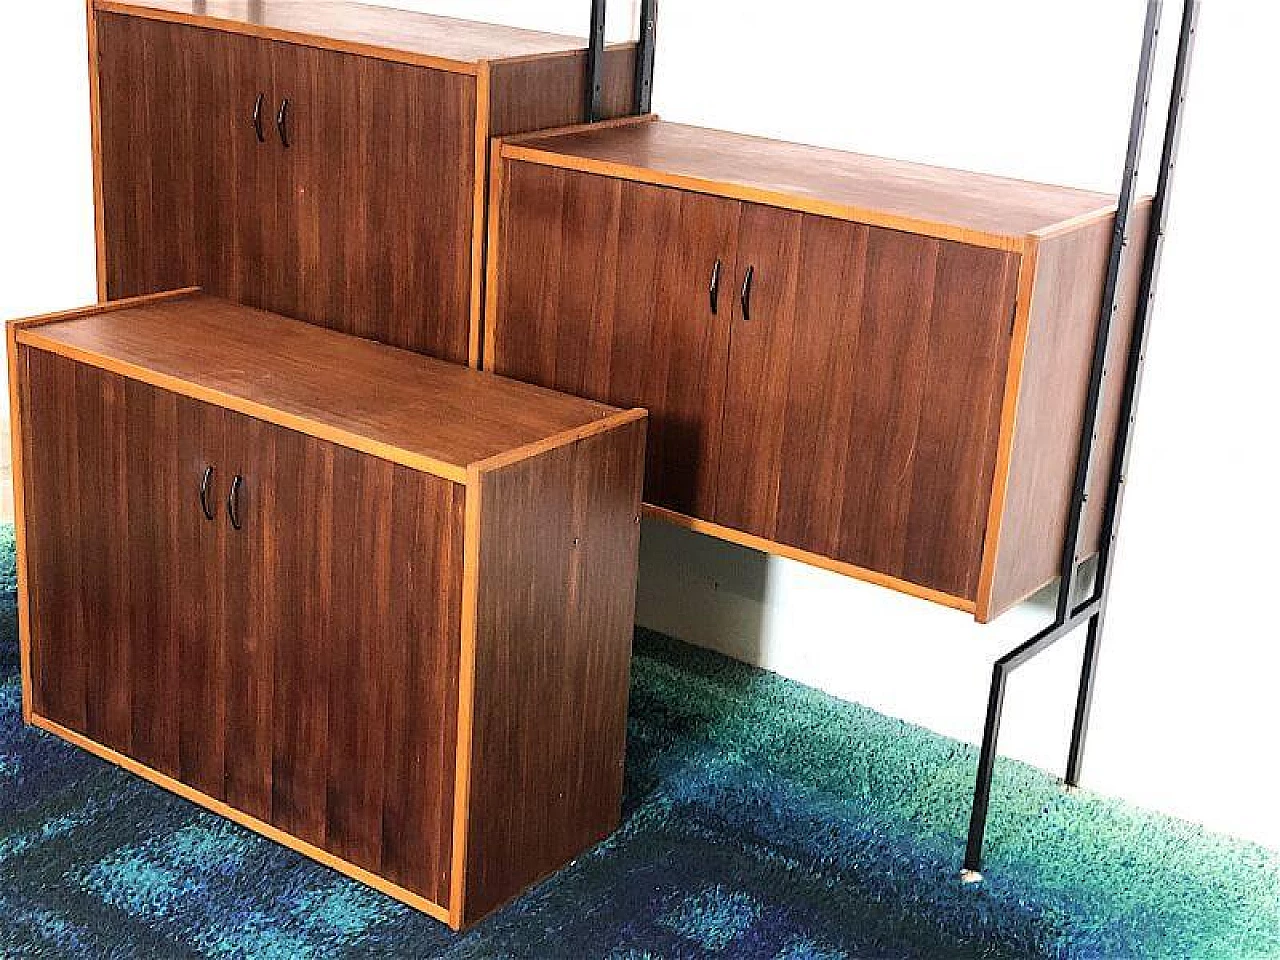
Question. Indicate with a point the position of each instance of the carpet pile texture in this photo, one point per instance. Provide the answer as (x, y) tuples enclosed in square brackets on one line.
[(763, 819)]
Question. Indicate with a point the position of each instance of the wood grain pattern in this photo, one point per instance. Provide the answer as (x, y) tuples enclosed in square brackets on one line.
[(249, 645), (198, 593), (862, 405), (261, 666), (398, 405), (392, 667), (157, 515), (375, 200), (375, 31), (364, 224), (95, 148), (58, 616), (855, 416), (590, 302), (188, 194), (966, 207), (302, 673), (1050, 410), (237, 816), (539, 93), (554, 621)]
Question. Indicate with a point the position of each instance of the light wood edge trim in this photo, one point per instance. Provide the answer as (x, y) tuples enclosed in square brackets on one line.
[(100, 308), (479, 211), (95, 139), (493, 254), (567, 52), (466, 698), (1076, 223), (804, 556), (564, 439), (289, 36), (875, 218), (396, 891), (1008, 429), (19, 519), (250, 408), (628, 121)]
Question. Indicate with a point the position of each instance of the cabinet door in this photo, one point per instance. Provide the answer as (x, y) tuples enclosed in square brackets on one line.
[(123, 566), (606, 294), (376, 199), (864, 395), (343, 602), (188, 191)]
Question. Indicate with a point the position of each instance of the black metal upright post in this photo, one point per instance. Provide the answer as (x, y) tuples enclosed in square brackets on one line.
[(595, 62), (646, 54), (1069, 616)]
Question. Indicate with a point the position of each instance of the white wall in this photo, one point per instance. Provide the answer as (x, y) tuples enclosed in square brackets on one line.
[(1187, 711)]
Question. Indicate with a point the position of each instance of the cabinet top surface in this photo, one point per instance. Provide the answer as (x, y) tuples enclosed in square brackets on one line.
[(407, 408), (952, 204), (379, 28)]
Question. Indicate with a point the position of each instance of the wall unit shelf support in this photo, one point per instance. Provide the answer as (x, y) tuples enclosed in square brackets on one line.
[(1070, 617), (646, 46)]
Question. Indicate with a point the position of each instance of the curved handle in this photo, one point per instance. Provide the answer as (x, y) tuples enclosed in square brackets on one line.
[(282, 122), (257, 117), (205, 484), (233, 502), (715, 288), (746, 294)]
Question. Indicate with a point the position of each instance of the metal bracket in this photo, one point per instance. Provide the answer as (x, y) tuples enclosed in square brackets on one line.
[(646, 49), (1068, 617)]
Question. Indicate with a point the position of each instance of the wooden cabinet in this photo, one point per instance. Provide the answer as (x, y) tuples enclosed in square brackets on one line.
[(841, 355), (372, 605), (322, 161)]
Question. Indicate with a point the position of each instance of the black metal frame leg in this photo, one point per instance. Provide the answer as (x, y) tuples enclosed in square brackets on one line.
[(1094, 612)]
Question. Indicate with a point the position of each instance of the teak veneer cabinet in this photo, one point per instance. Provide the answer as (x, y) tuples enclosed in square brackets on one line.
[(372, 605), (877, 367), (322, 160)]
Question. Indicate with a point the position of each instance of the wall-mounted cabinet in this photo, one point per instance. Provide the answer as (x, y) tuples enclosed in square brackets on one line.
[(872, 366), (322, 161)]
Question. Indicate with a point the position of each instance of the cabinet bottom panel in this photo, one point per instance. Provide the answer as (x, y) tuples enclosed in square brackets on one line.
[(803, 556), (378, 883)]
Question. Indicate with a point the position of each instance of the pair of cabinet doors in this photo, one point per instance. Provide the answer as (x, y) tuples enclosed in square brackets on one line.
[(362, 222), (282, 668), (845, 401)]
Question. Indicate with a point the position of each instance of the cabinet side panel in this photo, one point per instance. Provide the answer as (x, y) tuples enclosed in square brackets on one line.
[(1063, 325), (559, 536), (551, 91)]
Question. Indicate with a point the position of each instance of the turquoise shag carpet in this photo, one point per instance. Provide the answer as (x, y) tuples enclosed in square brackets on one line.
[(763, 819)]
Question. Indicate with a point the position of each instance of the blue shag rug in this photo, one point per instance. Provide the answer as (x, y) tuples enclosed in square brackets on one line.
[(763, 819)]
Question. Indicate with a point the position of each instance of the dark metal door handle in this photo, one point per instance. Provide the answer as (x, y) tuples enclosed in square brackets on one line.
[(282, 122), (257, 118), (715, 289), (746, 294), (233, 502), (205, 484)]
